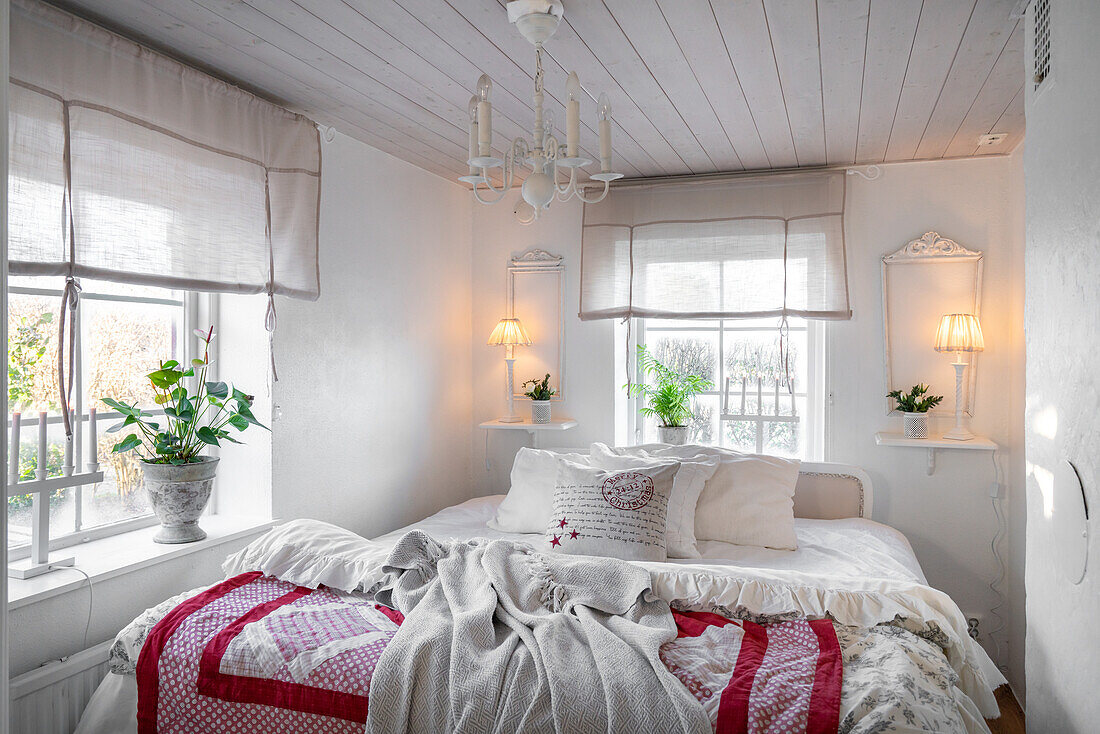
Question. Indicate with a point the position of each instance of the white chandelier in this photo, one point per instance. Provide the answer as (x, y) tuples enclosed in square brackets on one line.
[(537, 20)]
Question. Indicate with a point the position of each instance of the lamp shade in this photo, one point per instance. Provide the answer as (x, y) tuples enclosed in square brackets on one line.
[(509, 332), (959, 332)]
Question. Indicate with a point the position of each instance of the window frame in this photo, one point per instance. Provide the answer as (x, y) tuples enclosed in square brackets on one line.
[(815, 394), (194, 306)]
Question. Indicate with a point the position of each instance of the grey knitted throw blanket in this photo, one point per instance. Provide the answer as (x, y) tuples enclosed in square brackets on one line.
[(500, 638)]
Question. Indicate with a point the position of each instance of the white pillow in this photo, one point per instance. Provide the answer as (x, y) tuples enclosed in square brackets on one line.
[(686, 488), (312, 553), (748, 501), (620, 514), (530, 499)]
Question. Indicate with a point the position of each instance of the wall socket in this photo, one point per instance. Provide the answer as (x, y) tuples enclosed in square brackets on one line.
[(973, 626)]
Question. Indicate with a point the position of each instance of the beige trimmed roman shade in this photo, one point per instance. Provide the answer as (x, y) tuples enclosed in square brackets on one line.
[(131, 167), (745, 247)]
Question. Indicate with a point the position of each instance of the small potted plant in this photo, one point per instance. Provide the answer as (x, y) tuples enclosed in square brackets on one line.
[(914, 406), (670, 396), (197, 414), (540, 394)]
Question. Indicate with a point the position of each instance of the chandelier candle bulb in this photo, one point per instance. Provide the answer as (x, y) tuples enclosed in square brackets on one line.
[(41, 473), (13, 463), (573, 114), (473, 147), (484, 115)]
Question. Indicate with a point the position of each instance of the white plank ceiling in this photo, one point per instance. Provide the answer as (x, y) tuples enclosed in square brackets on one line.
[(697, 86)]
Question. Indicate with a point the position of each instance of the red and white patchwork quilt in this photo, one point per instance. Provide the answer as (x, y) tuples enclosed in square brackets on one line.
[(255, 654), (778, 678)]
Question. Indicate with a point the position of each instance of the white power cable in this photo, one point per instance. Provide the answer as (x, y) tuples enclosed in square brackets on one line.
[(91, 598)]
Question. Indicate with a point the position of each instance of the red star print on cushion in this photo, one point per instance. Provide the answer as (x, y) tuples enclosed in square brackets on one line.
[(556, 541), (563, 523), (573, 534)]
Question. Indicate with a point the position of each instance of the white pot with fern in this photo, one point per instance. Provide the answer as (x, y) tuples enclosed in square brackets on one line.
[(669, 399), (914, 406), (540, 394)]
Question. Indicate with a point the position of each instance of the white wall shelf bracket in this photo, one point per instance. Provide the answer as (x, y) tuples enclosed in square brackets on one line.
[(935, 443)]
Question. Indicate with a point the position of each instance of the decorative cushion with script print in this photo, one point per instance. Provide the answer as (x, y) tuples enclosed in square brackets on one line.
[(617, 513)]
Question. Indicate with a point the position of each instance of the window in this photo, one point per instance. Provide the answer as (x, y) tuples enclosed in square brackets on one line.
[(123, 332), (747, 354)]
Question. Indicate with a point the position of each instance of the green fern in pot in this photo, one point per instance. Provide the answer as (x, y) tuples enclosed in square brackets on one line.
[(669, 398)]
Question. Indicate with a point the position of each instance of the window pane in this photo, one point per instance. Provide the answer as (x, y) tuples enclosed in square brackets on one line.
[(740, 435), (687, 352), (32, 353), (122, 343), (121, 495)]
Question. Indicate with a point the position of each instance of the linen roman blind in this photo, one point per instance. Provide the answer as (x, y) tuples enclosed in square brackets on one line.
[(744, 247), (129, 166)]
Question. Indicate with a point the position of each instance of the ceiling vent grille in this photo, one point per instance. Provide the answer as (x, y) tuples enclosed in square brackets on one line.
[(1041, 41)]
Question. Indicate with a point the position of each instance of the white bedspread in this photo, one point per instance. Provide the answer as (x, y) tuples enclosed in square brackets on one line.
[(854, 547)]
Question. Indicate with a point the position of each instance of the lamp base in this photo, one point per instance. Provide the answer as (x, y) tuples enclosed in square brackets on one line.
[(511, 419), (958, 433)]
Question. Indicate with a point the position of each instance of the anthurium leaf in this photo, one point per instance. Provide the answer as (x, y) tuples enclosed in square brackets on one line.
[(170, 364), (238, 422), (179, 393), (217, 389), (170, 411), (197, 362), (120, 407), (189, 372), (206, 435), (129, 421), (229, 438), (176, 461), (127, 444), (160, 399)]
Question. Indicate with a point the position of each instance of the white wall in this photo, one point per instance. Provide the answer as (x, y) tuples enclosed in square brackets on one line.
[(948, 516), (373, 420), (1063, 224)]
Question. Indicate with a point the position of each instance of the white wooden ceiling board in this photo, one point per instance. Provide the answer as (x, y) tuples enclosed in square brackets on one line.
[(744, 31), (792, 26), (490, 19), (353, 38), (645, 25), (594, 24), (939, 35), (1003, 83), (626, 112), (164, 29), (986, 36), (843, 28), (442, 132), (891, 30), (696, 32), (1010, 121)]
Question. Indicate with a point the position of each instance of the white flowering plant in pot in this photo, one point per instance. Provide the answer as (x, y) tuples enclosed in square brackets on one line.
[(540, 394), (914, 406), (198, 414)]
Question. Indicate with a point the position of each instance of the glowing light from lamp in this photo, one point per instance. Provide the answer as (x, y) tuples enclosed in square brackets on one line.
[(959, 332)]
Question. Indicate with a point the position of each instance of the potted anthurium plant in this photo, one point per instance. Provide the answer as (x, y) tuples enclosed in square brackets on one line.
[(914, 406), (670, 396), (197, 415), (540, 394)]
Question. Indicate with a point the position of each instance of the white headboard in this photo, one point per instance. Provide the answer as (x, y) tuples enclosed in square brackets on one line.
[(828, 491)]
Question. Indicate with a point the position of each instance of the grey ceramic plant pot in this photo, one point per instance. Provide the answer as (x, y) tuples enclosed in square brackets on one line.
[(179, 495), (673, 435)]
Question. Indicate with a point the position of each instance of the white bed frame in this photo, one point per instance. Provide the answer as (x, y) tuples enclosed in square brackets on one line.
[(829, 491)]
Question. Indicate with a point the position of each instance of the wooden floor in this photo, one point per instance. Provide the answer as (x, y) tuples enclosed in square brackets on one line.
[(1012, 716)]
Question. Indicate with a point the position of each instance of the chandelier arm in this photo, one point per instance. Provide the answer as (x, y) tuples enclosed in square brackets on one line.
[(581, 196), (506, 183), (569, 190)]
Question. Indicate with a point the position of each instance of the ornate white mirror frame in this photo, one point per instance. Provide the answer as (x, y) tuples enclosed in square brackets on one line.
[(929, 290), (536, 285)]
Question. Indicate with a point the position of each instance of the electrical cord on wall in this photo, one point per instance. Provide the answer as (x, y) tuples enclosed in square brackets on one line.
[(995, 584), (91, 599)]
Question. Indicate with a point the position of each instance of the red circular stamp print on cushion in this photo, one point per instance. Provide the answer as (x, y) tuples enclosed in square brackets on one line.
[(627, 490)]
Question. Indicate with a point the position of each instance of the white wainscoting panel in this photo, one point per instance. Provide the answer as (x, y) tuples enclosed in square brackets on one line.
[(50, 699)]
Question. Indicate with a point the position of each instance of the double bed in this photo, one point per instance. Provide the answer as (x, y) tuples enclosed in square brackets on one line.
[(907, 662)]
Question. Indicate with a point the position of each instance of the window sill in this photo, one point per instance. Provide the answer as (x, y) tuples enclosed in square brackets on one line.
[(120, 554)]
